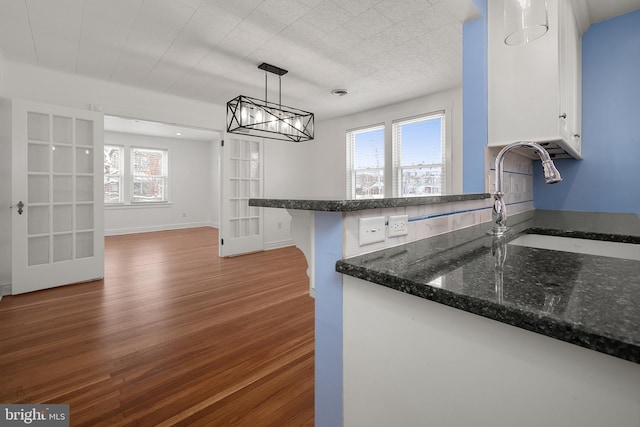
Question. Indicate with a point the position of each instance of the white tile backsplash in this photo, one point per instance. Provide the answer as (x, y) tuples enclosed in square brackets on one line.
[(430, 220), (517, 180), (424, 221)]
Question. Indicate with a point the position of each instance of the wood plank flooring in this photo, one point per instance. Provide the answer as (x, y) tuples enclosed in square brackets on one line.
[(174, 335)]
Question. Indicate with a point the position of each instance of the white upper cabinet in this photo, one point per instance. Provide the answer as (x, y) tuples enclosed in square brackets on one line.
[(535, 89)]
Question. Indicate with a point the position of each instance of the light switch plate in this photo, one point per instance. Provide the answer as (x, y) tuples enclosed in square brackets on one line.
[(371, 230), (398, 225)]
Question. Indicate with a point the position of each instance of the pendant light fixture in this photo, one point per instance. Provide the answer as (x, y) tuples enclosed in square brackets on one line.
[(524, 21), (266, 119)]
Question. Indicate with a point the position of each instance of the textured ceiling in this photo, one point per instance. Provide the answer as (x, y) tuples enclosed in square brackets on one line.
[(382, 51)]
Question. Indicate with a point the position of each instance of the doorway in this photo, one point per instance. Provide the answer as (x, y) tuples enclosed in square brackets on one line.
[(181, 191)]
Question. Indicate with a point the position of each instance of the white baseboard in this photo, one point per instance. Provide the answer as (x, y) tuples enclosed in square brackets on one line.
[(5, 289), (278, 244), (135, 230)]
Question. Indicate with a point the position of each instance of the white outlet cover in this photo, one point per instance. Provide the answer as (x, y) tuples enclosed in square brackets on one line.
[(371, 230), (398, 225)]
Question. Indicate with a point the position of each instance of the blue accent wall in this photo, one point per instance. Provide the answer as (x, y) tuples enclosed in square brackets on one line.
[(474, 100), (608, 177), (328, 320)]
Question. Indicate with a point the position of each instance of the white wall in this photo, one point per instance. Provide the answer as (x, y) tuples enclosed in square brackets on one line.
[(190, 181), (327, 153), (287, 172), (54, 87), (5, 193), (2, 72), (214, 184)]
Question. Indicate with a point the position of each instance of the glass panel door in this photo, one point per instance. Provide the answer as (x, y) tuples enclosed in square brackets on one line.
[(60, 223), (241, 224)]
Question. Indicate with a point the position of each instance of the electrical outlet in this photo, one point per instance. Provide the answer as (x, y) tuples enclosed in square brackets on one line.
[(398, 225), (371, 230)]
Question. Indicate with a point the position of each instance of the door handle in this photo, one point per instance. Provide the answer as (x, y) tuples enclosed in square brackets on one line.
[(20, 205)]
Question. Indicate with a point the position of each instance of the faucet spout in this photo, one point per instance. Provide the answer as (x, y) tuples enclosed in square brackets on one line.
[(551, 176)]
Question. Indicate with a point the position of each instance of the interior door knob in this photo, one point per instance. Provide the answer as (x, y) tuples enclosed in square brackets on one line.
[(20, 205)]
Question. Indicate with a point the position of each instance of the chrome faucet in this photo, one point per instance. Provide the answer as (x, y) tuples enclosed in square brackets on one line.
[(551, 176)]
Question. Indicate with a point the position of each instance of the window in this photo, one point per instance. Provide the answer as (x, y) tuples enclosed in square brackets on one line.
[(113, 163), (365, 163), (419, 156), (149, 175), (416, 164), (145, 181)]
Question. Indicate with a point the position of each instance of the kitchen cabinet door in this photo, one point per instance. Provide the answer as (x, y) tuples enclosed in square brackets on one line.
[(535, 88)]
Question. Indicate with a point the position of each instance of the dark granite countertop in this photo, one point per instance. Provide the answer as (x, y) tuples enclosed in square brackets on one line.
[(591, 301), (362, 204)]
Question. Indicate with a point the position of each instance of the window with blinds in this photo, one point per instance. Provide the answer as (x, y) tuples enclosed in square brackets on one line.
[(149, 170), (419, 155), (366, 163), (113, 168), (135, 175)]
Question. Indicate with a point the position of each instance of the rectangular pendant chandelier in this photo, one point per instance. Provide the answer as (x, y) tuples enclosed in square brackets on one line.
[(251, 116)]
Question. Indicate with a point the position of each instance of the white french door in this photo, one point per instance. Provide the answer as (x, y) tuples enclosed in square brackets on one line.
[(241, 224), (57, 196)]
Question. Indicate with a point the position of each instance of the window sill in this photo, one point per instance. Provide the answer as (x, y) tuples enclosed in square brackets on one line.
[(146, 205)]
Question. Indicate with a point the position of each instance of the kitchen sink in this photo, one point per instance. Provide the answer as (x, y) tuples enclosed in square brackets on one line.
[(581, 246)]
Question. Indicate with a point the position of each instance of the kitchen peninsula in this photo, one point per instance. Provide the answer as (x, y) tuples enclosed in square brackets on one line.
[(327, 231), (409, 358)]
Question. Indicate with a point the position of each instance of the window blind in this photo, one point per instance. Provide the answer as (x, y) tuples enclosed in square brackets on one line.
[(419, 155), (113, 167), (366, 163), (149, 175)]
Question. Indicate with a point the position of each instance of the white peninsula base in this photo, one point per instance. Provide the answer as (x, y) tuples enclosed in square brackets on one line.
[(413, 362)]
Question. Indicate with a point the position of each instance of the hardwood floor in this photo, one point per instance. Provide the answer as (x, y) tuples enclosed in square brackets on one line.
[(174, 335)]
